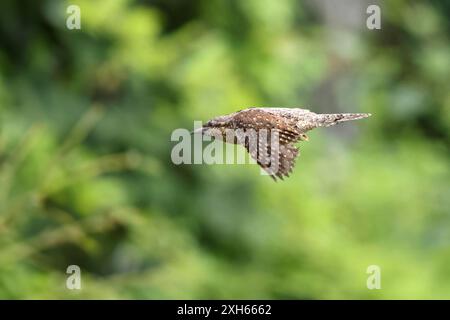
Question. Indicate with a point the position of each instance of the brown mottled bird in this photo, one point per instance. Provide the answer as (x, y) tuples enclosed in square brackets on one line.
[(269, 134)]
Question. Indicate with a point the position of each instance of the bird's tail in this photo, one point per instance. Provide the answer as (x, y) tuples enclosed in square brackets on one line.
[(326, 120)]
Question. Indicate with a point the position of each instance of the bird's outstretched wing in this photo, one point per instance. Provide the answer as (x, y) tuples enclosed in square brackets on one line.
[(287, 156), (277, 160), (258, 129)]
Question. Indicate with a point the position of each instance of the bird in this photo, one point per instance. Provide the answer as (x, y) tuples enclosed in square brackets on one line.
[(269, 134)]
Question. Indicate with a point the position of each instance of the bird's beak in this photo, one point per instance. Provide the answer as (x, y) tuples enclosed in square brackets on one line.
[(198, 130)]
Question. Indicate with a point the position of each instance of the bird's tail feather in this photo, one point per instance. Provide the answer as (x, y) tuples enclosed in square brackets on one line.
[(326, 120)]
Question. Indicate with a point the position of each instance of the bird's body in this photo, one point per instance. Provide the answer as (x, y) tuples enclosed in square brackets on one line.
[(269, 134)]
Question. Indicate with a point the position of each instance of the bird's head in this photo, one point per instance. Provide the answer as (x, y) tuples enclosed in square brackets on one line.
[(215, 126)]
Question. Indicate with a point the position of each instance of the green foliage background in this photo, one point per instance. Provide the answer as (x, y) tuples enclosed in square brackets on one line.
[(86, 176)]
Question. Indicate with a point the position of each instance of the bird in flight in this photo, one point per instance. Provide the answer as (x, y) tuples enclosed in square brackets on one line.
[(270, 134)]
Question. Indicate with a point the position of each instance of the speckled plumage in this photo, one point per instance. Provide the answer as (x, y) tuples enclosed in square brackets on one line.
[(269, 134)]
